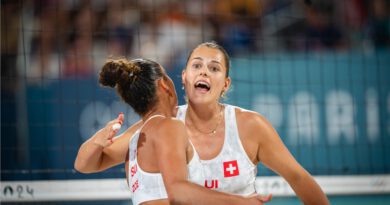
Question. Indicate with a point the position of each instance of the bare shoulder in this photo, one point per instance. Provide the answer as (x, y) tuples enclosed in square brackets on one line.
[(254, 126), (169, 123), (169, 127), (250, 119)]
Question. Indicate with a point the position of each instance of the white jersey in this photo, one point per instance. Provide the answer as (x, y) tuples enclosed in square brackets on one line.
[(144, 186), (231, 171)]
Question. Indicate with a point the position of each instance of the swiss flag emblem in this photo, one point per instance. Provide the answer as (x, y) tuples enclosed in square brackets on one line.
[(230, 169)]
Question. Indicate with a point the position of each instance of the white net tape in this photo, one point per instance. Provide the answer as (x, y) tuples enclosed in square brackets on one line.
[(116, 189)]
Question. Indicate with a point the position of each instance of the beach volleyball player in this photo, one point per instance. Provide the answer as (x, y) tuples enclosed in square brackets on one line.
[(231, 141)]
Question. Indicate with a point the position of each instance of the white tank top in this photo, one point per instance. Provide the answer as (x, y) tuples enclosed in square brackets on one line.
[(144, 186), (231, 171)]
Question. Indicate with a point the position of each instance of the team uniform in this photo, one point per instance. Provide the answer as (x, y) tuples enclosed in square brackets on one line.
[(144, 186), (231, 171)]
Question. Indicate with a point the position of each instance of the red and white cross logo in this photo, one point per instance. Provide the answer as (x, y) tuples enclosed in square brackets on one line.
[(230, 169)]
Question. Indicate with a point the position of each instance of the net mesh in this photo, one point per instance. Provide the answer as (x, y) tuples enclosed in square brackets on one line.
[(317, 70)]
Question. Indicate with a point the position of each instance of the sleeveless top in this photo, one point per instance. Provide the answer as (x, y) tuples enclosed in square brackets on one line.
[(231, 171), (144, 186)]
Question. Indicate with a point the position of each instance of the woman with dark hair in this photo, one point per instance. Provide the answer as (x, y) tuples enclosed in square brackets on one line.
[(159, 152)]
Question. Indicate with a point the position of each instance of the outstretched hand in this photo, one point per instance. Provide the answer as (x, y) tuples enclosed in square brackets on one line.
[(109, 131)]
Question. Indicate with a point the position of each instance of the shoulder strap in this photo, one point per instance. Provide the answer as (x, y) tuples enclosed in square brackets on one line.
[(147, 120)]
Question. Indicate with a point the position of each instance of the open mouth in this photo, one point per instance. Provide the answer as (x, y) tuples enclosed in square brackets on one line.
[(202, 85)]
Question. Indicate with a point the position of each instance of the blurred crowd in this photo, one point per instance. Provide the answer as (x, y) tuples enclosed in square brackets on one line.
[(72, 38)]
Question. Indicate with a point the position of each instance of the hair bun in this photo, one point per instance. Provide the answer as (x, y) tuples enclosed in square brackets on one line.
[(110, 73)]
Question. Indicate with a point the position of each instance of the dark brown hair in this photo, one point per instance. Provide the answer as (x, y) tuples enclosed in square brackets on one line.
[(134, 80), (215, 45)]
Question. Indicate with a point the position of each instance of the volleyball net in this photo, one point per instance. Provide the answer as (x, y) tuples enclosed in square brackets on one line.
[(317, 70)]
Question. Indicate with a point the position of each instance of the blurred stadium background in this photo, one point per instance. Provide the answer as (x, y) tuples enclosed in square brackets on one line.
[(318, 70)]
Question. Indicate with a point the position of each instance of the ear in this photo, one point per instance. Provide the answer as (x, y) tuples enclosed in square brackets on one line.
[(226, 86), (164, 85), (183, 76), (161, 83)]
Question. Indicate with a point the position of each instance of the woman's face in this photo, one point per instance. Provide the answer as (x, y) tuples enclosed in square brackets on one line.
[(205, 78)]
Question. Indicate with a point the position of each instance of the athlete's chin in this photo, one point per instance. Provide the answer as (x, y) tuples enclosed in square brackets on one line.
[(201, 99)]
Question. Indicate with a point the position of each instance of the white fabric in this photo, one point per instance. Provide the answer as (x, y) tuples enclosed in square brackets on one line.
[(144, 186), (231, 171)]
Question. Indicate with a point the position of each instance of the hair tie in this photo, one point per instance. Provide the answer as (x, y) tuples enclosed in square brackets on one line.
[(132, 77)]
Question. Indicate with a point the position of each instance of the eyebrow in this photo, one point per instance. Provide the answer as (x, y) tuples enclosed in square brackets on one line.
[(199, 58)]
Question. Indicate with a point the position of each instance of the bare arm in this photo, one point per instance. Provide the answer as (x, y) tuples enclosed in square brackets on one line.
[(102, 150), (170, 149), (274, 154)]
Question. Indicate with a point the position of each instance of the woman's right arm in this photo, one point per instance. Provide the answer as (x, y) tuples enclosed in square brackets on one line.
[(103, 150)]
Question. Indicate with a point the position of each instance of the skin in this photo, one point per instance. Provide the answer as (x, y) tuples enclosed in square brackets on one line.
[(163, 147), (260, 141)]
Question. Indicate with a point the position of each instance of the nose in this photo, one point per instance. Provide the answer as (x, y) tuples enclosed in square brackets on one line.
[(203, 71)]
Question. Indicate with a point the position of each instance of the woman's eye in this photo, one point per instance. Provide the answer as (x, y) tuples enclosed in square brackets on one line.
[(214, 69), (197, 65)]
